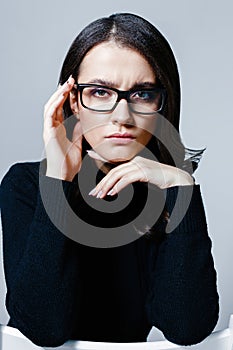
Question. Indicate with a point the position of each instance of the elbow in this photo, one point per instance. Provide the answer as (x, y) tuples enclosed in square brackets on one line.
[(43, 329), (46, 340), (49, 340), (190, 331), (187, 337), (188, 326), (40, 331), (41, 336)]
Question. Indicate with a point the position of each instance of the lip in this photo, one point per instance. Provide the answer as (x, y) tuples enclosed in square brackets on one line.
[(121, 138), (118, 135)]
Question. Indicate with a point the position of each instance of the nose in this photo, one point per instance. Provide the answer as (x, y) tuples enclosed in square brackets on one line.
[(121, 114)]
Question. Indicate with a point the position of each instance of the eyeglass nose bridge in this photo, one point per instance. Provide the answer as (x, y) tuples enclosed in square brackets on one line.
[(123, 95)]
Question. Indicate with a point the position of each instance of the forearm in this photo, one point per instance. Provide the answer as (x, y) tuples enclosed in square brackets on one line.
[(43, 283), (184, 300)]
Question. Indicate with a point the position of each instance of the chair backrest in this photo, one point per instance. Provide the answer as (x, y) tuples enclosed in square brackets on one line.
[(12, 339)]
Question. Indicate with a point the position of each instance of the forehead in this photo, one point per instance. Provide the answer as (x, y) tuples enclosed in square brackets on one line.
[(120, 65)]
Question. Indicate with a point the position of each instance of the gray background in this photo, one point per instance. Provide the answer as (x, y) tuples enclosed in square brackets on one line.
[(35, 38)]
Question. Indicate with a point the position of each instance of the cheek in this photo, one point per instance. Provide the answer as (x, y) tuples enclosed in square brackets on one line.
[(149, 125), (87, 123), (92, 129), (147, 129)]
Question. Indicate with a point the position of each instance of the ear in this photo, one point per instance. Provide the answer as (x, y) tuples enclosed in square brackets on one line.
[(74, 102)]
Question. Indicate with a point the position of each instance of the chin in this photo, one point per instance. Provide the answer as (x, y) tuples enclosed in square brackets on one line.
[(119, 160)]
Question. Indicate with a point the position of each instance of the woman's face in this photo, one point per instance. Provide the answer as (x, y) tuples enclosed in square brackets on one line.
[(121, 134)]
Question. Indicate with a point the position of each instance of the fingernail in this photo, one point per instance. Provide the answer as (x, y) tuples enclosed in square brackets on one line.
[(92, 192), (68, 80), (99, 194), (111, 193)]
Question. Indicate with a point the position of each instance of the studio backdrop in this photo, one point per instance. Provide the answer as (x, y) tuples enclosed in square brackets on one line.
[(35, 38)]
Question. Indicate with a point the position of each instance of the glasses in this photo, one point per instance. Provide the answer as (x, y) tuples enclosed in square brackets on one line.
[(101, 98)]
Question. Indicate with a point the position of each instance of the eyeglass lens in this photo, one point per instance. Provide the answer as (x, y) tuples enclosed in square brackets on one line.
[(103, 99)]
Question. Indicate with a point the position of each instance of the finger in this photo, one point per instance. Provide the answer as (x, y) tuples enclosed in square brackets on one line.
[(67, 86), (126, 180), (56, 101), (121, 176), (51, 114), (115, 174), (113, 177), (119, 185), (59, 115), (62, 90), (77, 134), (109, 180)]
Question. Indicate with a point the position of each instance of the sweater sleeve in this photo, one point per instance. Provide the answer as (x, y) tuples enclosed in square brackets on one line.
[(40, 262), (183, 300)]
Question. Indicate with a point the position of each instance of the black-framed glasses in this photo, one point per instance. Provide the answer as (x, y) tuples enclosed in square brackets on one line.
[(100, 98)]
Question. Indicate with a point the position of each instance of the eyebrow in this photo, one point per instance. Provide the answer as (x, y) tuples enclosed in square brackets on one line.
[(137, 85)]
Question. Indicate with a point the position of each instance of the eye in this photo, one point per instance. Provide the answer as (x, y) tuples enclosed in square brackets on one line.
[(100, 93), (143, 95)]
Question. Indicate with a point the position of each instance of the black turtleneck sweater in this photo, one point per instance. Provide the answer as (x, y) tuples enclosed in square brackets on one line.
[(59, 288)]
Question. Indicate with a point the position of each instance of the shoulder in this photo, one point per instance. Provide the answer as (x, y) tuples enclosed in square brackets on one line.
[(23, 174), (22, 168)]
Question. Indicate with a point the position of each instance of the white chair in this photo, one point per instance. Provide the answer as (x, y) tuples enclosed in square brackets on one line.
[(12, 339)]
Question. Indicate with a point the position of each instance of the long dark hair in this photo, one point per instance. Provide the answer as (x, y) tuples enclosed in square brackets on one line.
[(133, 31)]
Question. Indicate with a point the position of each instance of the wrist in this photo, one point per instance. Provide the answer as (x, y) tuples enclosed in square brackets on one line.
[(56, 174), (179, 177)]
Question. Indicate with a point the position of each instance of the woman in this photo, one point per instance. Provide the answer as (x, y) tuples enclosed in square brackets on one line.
[(119, 95)]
